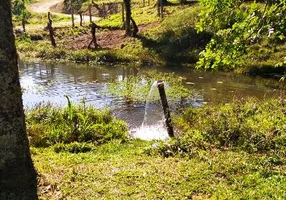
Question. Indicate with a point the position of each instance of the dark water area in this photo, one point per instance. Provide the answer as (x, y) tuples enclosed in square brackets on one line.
[(50, 82)]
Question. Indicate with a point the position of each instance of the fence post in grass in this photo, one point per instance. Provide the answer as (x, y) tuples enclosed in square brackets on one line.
[(89, 12), (80, 18), (170, 130), (51, 31)]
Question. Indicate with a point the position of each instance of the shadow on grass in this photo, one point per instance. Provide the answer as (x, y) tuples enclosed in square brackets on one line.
[(180, 46), (267, 71)]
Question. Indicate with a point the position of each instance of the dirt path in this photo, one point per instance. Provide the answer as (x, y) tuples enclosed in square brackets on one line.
[(45, 7)]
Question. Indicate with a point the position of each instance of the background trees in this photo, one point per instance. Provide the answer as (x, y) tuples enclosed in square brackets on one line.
[(236, 26), (20, 12)]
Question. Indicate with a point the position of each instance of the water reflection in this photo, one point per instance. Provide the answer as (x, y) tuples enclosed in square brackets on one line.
[(50, 82)]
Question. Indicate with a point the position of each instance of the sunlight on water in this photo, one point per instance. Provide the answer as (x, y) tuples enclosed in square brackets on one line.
[(152, 132), (153, 126)]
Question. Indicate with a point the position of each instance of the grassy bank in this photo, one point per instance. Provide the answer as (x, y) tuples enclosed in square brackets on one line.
[(124, 171), (234, 151)]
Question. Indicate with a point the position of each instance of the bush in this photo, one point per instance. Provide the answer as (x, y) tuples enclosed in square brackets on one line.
[(48, 125), (249, 126)]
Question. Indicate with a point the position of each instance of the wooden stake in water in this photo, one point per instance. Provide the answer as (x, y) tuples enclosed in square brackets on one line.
[(166, 109)]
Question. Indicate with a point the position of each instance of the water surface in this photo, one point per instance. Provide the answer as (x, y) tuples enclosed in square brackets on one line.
[(50, 82)]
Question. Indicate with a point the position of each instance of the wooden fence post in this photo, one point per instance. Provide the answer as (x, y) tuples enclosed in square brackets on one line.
[(51, 31), (89, 12), (166, 109)]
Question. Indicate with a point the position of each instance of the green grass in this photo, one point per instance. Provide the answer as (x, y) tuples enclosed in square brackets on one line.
[(42, 50), (233, 151), (37, 19), (48, 125), (124, 171), (249, 126)]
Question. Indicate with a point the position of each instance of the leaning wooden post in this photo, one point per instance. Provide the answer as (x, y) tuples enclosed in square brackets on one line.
[(72, 16), (80, 18), (51, 31), (166, 109)]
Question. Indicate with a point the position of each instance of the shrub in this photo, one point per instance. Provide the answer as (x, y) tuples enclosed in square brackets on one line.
[(250, 126), (48, 125)]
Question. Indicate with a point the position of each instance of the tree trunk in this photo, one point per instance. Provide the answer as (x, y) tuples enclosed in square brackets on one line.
[(127, 5), (24, 25), (72, 15), (122, 12), (160, 8), (17, 174)]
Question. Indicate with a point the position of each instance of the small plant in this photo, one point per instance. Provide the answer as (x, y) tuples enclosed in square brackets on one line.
[(74, 147)]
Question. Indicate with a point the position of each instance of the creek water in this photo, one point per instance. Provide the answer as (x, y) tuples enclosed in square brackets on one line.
[(50, 82)]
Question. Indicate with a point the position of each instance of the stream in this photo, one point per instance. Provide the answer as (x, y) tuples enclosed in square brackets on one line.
[(42, 82)]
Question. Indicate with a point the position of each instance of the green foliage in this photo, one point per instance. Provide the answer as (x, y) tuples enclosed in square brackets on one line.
[(74, 147), (251, 126), (137, 88), (47, 125), (20, 11), (236, 26)]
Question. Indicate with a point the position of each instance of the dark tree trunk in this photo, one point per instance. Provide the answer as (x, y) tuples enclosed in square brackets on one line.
[(24, 25), (127, 5), (160, 8), (122, 12), (72, 15), (17, 174)]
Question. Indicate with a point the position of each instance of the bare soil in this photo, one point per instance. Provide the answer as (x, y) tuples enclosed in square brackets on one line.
[(107, 39)]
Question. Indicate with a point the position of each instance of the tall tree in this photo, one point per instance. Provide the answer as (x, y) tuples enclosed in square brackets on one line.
[(127, 6), (128, 19), (17, 174)]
